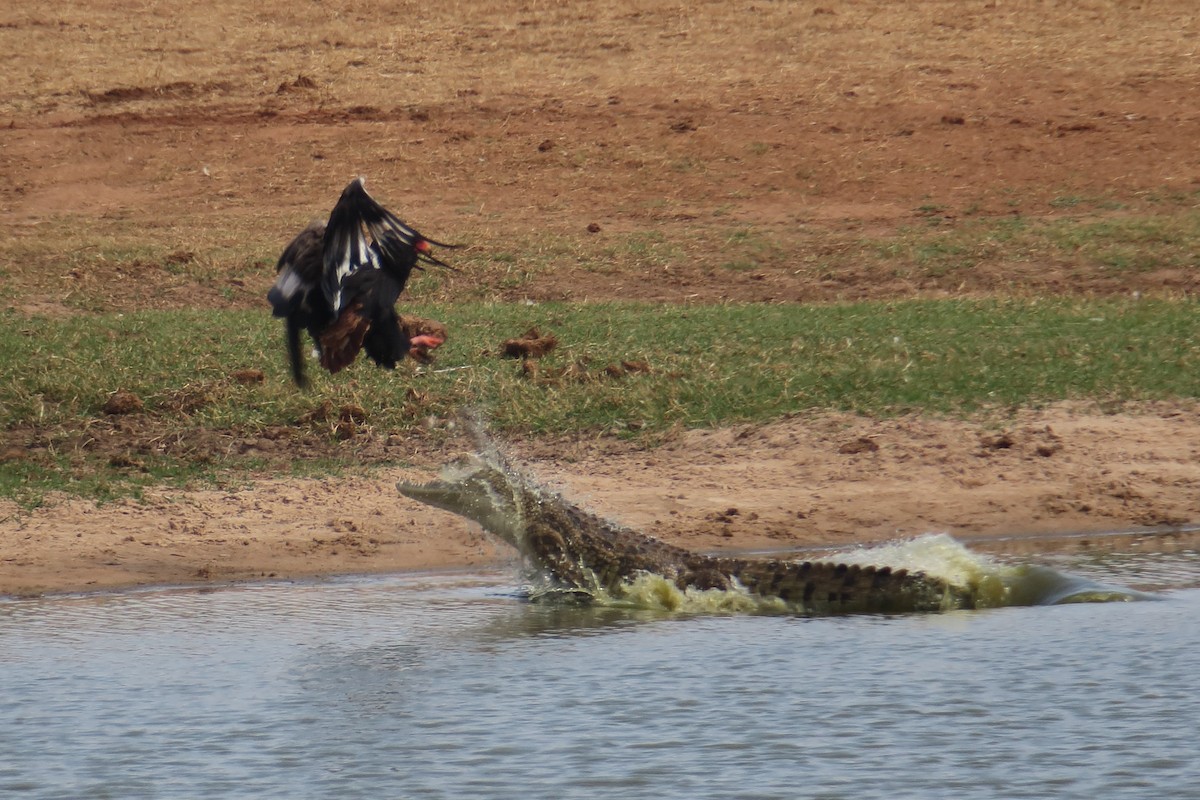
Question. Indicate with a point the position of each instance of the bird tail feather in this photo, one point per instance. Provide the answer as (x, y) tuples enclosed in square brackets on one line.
[(295, 354)]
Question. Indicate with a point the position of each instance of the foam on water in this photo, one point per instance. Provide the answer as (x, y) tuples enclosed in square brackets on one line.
[(993, 583), (657, 593)]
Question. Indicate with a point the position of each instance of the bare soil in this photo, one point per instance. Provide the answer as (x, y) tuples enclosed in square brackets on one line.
[(153, 155), (826, 480)]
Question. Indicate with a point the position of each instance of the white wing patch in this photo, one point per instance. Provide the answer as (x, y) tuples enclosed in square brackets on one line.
[(288, 283), (362, 234)]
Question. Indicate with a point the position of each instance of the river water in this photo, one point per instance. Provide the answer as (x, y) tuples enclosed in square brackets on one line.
[(457, 686)]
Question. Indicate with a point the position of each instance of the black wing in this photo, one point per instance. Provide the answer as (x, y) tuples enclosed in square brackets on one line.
[(299, 271), (361, 234)]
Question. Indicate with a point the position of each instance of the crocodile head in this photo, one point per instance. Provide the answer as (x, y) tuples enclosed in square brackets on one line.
[(480, 488)]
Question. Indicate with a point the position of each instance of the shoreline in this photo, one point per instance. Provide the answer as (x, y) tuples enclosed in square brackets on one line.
[(1159, 540), (832, 480)]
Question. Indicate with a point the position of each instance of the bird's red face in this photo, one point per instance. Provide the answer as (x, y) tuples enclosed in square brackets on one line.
[(425, 255)]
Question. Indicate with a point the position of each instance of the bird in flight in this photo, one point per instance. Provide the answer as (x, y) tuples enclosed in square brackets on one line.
[(340, 281)]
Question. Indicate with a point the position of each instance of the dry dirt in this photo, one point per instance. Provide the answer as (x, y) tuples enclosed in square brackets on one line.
[(158, 155)]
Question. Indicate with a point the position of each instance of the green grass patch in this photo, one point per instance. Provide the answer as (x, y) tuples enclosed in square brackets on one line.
[(1120, 245), (708, 365), (1135, 244)]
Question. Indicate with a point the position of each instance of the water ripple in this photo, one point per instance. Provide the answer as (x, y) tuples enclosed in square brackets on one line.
[(449, 686)]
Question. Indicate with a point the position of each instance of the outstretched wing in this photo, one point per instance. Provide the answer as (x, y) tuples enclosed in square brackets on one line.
[(361, 234)]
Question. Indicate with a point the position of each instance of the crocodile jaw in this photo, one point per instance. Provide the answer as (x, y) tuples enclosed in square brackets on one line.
[(478, 491)]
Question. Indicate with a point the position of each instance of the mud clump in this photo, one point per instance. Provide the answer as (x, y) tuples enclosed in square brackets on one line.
[(1000, 441), (857, 446), (122, 402), (531, 344), (1041, 442), (352, 412), (248, 377)]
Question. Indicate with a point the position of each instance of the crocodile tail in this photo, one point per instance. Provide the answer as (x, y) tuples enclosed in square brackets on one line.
[(823, 587)]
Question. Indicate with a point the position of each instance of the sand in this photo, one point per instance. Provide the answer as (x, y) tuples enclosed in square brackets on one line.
[(829, 480)]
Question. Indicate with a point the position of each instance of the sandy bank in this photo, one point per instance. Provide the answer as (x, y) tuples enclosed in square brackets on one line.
[(832, 480)]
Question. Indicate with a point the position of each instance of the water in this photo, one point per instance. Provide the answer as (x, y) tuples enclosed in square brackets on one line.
[(453, 686)]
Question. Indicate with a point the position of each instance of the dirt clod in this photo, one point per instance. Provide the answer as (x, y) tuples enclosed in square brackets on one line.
[(862, 444), (999, 441), (531, 344), (122, 402), (352, 412), (248, 377)]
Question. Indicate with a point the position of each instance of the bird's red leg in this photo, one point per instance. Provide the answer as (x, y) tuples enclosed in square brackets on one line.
[(427, 342), (421, 345)]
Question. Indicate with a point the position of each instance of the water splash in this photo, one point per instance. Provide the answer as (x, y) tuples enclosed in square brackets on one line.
[(992, 583)]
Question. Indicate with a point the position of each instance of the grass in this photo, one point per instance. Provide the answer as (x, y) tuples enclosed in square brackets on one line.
[(1120, 246), (708, 365), (1095, 250)]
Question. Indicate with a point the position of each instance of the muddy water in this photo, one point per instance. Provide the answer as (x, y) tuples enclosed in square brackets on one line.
[(453, 685)]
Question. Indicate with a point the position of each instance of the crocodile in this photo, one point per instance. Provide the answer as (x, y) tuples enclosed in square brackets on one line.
[(585, 554)]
